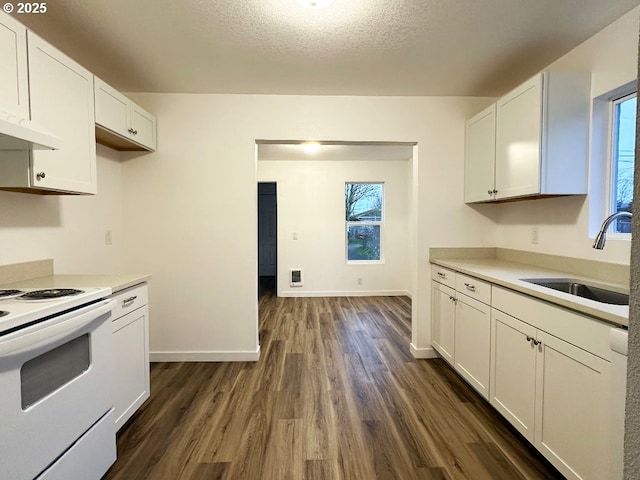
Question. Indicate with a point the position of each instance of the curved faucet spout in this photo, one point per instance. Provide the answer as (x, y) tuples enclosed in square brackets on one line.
[(601, 238)]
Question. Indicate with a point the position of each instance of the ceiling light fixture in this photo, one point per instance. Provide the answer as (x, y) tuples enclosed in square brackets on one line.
[(311, 147), (315, 4)]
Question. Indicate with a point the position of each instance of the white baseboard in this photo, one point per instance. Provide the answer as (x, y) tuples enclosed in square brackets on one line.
[(358, 293), (205, 356), (428, 352)]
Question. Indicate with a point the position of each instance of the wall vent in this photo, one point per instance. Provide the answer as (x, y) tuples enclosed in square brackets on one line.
[(295, 277)]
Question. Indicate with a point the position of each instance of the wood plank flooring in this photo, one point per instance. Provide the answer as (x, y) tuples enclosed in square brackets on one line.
[(336, 395)]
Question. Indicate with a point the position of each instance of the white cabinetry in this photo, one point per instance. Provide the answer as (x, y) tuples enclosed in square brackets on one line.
[(14, 86), (480, 156), (443, 311), (542, 137), (552, 391), (461, 325), (120, 123), (61, 98), (541, 141), (473, 332), (131, 352)]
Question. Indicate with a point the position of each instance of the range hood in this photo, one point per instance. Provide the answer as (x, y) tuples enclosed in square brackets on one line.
[(21, 134)]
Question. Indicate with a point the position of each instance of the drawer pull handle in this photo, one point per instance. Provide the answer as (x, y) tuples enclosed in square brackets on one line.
[(537, 342), (128, 301), (470, 287), (529, 338), (442, 275)]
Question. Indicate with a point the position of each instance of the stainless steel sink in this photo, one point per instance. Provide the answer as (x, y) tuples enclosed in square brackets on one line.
[(580, 289)]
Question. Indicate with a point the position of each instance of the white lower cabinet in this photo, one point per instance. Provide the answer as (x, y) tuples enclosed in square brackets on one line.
[(545, 368), (513, 371), (473, 342), (461, 325), (443, 311), (131, 352), (554, 393), (572, 413)]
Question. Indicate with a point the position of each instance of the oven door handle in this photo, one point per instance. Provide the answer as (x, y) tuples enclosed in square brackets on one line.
[(23, 342)]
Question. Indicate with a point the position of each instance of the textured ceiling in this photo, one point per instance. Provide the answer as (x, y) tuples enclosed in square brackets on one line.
[(353, 47)]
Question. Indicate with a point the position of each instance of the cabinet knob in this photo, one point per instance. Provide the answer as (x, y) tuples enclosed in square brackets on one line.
[(490, 192), (40, 175), (494, 191), (529, 338), (130, 130), (135, 132)]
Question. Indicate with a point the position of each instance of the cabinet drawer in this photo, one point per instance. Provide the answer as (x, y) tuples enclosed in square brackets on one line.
[(443, 275), (474, 288), (130, 299)]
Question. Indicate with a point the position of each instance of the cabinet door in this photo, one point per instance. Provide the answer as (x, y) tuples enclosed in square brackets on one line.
[(14, 86), (112, 108), (143, 125), (518, 133), (480, 156), (572, 409), (443, 320), (131, 363), (513, 371), (61, 94), (473, 342)]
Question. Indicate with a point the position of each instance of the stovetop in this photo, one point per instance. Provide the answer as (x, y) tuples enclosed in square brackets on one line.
[(27, 305)]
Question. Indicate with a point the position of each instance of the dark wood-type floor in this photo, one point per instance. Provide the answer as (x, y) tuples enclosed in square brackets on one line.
[(336, 395)]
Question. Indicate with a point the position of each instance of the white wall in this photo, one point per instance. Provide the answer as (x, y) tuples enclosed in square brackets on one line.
[(611, 57), (191, 207), (70, 229), (311, 204)]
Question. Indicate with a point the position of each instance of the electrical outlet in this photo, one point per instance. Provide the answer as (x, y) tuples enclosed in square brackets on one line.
[(107, 237), (535, 235), (359, 280), (295, 235)]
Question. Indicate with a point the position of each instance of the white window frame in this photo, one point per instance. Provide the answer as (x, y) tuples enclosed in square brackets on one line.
[(611, 158), (381, 223)]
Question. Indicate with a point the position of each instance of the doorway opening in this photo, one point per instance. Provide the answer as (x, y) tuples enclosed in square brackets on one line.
[(267, 238)]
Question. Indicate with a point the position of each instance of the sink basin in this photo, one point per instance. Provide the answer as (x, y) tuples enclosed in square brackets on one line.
[(580, 289)]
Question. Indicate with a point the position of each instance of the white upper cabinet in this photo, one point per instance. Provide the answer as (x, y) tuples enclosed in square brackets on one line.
[(120, 123), (542, 137), (541, 141), (61, 102), (480, 156), (14, 86)]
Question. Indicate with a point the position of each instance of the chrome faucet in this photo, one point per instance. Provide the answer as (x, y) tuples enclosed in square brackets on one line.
[(601, 238)]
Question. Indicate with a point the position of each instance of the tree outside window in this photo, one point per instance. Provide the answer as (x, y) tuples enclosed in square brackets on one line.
[(364, 220), (623, 157)]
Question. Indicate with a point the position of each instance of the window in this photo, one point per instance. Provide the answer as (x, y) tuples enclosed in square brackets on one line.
[(622, 159), (363, 204)]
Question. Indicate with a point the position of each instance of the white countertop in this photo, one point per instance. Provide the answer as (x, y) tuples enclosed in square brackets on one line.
[(509, 275), (114, 282)]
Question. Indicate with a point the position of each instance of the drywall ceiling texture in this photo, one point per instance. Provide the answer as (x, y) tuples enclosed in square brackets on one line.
[(632, 409), (353, 47)]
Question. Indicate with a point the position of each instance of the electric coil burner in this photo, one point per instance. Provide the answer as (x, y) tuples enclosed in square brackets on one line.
[(49, 294), (9, 293)]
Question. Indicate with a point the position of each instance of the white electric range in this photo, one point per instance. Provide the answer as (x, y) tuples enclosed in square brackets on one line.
[(56, 382)]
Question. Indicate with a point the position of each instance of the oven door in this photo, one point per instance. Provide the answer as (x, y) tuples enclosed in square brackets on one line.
[(56, 382)]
